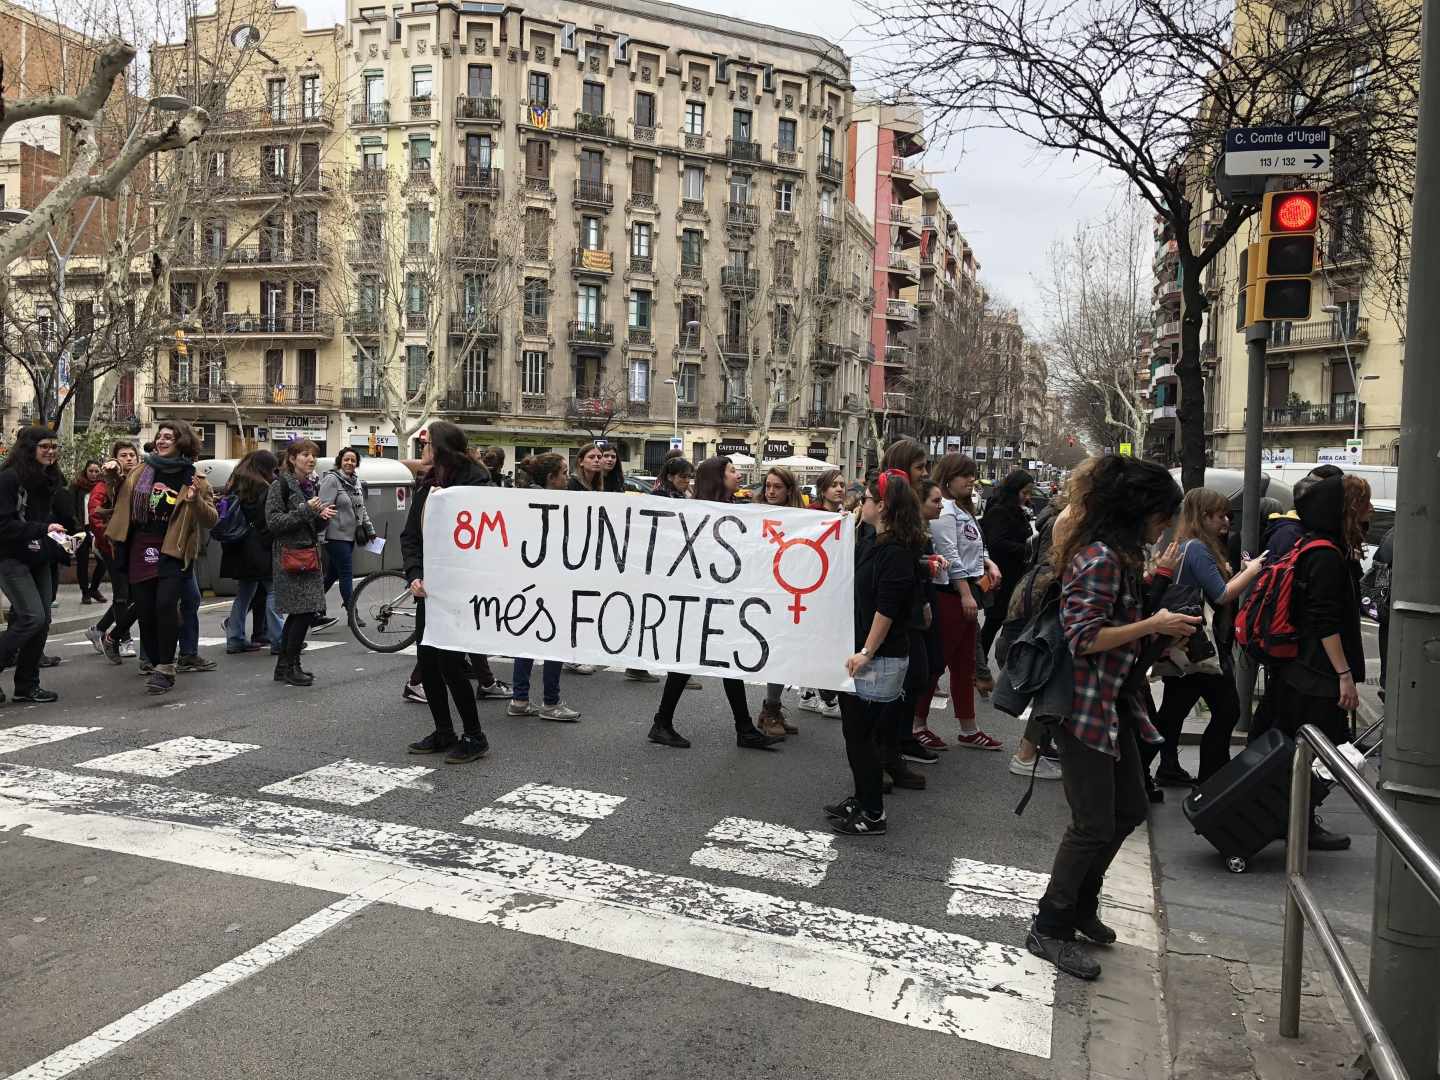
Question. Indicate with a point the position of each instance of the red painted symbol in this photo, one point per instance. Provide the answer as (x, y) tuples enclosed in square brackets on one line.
[(770, 530), (466, 535)]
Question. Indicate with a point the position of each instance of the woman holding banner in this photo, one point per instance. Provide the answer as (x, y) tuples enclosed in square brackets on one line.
[(778, 489), (546, 471), (716, 480), (442, 672), (885, 597), (589, 475)]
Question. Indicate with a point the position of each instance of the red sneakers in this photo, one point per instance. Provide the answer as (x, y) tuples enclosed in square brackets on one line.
[(928, 739), (978, 740)]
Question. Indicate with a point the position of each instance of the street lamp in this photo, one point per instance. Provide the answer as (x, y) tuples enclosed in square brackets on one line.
[(1333, 310), (676, 430)]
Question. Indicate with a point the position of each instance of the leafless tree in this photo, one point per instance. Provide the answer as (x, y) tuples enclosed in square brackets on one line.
[(949, 368), (1095, 299), (1148, 89), (428, 276)]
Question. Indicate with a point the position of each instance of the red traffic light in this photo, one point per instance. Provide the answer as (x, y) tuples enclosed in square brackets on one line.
[(1296, 211)]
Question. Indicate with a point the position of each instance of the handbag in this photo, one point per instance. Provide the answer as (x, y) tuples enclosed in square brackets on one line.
[(304, 560)]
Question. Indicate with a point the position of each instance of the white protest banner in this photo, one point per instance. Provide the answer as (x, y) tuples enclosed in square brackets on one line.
[(759, 593)]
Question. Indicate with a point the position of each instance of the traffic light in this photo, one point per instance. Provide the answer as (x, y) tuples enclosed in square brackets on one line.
[(181, 349), (1289, 221)]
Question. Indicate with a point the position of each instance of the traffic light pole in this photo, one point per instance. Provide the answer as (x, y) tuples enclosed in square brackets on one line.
[(1256, 335), (1405, 944)]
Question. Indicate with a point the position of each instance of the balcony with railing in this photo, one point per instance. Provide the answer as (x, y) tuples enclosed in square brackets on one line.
[(898, 355), (481, 180), (739, 279), (475, 249), (471, 401), (417, 322), (897, 262), (594, 193), (640, 264), (827, 227), (829, 353), (274, 116), (539, 185), (477, 324), (422, 108), (637, 410), (926, 295), (420, 176), (251, 256), (741, 215), (1336, 414), (692, 273), (534, 404), (691, 141), (230, 395), (364, 252), (309, 324), (369, 113), (536, 115), (900, 310), (641, 200), (369, 181), (363, 322), (591, 403), (688, 410), (535, 326), (585, 260), (481, 109), (640, 335), (734, 344), (1167, 333), (360, 397), (742, 150), (598, 124), (694, 208), (1330, 333), (589, 332), (819, 418), (643, 133), (896, 404), (829, 167), (734, 413)]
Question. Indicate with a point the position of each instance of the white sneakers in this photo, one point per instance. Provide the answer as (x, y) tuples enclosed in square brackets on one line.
[(1045, 770)]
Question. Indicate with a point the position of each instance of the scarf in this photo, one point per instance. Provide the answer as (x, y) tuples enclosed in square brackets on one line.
[(146, 506), (351, 484), (307, 485)]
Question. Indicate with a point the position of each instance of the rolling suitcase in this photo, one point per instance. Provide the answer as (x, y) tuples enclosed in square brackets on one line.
[(1246, 805)]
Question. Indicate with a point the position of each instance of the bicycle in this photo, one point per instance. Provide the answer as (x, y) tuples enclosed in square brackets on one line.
[(382, 612)]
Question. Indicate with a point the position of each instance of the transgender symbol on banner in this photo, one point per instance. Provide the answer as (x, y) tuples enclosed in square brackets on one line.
[(771, 531)]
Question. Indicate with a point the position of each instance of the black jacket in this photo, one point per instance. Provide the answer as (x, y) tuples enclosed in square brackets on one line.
[(412, 537), (885, 582), (20, 529), (1007, 538), (250, 559), (1327, 595)]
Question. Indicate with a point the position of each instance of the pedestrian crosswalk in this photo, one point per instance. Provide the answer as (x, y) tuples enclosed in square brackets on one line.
[(760, 850), (542, 810), (349, 783), (169, 757)]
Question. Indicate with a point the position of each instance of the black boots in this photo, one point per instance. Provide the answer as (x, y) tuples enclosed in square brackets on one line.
[(288, 670)]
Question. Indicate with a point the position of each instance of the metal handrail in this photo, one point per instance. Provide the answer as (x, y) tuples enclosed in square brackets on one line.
[(1301, 906)]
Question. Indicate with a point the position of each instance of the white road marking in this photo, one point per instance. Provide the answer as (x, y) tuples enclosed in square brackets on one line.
[(542, 810), (27, 735), (111, 1037), (169, 757), (349, 783), (987, 992), (762, 850), (1127, 899)]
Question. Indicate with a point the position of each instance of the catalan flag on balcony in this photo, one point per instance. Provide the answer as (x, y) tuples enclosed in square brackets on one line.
[(277, 394), (596, 260), (540, 116)]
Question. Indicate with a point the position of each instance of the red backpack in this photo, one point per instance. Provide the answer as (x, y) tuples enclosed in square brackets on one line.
[(1265, 626)]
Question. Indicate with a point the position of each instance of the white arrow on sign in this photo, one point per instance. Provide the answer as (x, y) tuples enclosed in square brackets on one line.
[(1277, 163)]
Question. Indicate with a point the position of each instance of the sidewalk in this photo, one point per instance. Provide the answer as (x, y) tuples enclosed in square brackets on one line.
[(1222, 947)]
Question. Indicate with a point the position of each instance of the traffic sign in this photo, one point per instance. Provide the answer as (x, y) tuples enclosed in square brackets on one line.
[(1277, 151)]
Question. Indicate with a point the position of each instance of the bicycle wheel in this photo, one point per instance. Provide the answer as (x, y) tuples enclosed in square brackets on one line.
[(382, 613)]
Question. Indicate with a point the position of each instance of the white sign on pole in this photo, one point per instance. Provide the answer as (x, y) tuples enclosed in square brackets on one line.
[(1277, 151), (1336, 455), (759, 593), (1278, 455)]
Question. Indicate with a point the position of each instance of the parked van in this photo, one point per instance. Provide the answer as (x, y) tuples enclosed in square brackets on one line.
[(388, 486), (1383, 478)]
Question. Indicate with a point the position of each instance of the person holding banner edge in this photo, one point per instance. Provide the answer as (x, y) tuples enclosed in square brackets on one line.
[(777, 489), (716, 480), (887, 548), (442, 671)]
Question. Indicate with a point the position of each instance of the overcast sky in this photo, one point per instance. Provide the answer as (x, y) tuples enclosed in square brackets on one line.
[(1010, 202)]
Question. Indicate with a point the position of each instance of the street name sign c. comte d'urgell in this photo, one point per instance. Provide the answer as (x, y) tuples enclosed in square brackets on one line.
[(1277, 151)]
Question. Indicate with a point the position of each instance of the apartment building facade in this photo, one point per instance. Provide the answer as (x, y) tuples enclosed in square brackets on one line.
[(686, 265)]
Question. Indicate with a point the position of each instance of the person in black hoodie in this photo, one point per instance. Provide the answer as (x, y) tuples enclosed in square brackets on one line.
[(1318, 686), (31, 507), (249, 560), (1007, 539), (441, 670)]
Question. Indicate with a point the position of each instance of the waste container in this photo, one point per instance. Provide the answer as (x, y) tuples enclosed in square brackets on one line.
[(388, 486)]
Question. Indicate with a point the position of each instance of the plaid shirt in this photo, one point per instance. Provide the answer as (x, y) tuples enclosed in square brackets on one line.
[(1096, 593)]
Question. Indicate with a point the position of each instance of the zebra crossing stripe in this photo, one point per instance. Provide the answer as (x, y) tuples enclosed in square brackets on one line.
[(542, 810), (994, 892), (27, 735), (349, 783), (909, 974), (169, 757), (761, 850)]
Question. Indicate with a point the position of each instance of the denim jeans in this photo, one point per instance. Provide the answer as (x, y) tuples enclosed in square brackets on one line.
[(340, 566), (29, 590), (189, 639), (549, 675), (240, 615)]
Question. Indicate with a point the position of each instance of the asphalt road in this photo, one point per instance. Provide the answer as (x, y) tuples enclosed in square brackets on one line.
[(163, 914)]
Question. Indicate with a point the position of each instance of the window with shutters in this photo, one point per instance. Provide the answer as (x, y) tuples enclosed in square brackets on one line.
[(639, 311), (692, 249), (592, 98), (694, 118), (416, 364), (537, 159), (644, 109), (693, 184), (642, 176), (787, 137), (640, 239), (538, 88), (537, 298), (532, 373), (640, 379), (785, 196)]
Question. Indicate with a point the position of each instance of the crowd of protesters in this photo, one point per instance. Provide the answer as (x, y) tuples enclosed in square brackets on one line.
[(1133, 574)]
